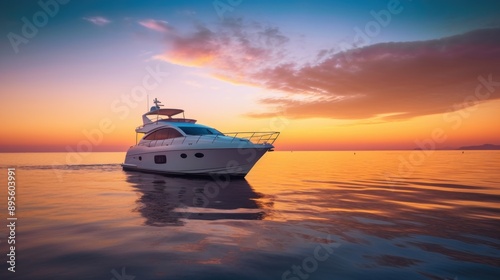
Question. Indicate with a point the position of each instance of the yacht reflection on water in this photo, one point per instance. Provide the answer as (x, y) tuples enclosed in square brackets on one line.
[(171, 201)]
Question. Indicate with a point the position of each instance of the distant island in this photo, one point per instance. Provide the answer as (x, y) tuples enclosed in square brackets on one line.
[(481, 147), (478, 147)]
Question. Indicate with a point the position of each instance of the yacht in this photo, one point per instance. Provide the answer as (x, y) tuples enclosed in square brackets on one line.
[(175, 145)]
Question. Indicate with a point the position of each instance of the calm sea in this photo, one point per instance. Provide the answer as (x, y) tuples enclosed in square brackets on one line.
[(297, 215)]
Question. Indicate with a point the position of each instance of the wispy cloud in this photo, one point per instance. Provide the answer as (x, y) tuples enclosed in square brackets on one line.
[(187, 12), (396, 80), (97, 20), (156, 25), (232, 47)]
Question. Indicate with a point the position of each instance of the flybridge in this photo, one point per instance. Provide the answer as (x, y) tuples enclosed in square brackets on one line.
[(165, 115), (158, 115)]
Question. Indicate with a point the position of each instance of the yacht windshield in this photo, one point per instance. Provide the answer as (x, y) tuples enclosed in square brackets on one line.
[(200, 130)]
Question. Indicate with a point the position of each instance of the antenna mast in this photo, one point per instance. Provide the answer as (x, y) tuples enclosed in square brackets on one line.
[(157, 105)]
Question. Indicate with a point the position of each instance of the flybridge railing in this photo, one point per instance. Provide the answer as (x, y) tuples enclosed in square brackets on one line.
[(259, 138)]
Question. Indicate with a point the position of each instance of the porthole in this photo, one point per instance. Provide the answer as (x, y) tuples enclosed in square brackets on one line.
[(140, 158), (183, 155), (199, 155)]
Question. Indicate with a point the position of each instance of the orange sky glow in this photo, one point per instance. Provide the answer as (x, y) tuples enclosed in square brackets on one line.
[(86, 90)]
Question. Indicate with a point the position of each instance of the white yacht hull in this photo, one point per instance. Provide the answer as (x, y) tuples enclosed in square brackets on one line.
[(181, 146), (235, 161)]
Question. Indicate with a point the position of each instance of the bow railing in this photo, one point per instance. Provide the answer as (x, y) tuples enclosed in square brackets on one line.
[(265, 137)]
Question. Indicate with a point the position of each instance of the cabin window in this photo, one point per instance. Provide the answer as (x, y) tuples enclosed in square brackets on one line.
[(160, 159), (151, 136), (164, 133), (199, 155), (183, 155), (200, 130)]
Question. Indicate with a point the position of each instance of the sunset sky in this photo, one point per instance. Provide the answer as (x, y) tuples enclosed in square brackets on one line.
[(339, 75)]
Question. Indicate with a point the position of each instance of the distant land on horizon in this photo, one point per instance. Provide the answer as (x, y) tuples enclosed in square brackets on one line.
[(477, 147), (481, 147)]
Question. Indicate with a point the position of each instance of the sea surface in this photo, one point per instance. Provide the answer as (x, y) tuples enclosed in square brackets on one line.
[(297, 215)]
